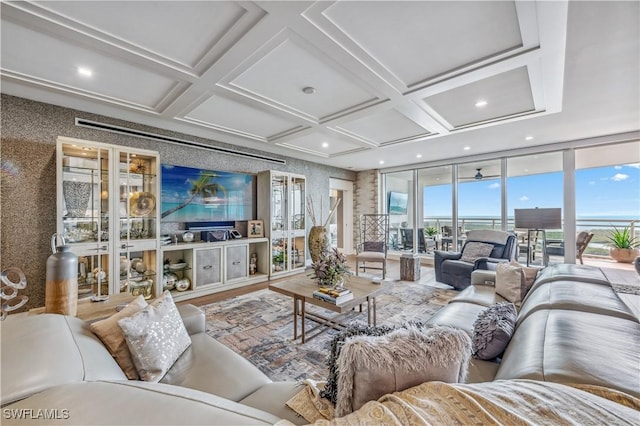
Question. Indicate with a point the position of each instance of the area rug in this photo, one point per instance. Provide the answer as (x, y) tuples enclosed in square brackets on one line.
[(259, 326)]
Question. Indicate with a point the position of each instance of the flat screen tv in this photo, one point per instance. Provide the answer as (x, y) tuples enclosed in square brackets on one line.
[(398, 202), (198, 195)]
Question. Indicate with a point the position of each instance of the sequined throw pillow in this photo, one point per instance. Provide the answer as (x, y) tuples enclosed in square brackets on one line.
[(156, 337)]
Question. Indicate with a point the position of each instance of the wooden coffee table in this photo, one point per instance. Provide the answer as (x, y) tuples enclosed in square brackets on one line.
[(301, 290)]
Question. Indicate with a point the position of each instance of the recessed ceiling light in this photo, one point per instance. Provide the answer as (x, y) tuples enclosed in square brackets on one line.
[(418, 155), (467, 148), (381, 161), (481, 103), (528, 138), (309, 90), (325, 144), (85, 72)]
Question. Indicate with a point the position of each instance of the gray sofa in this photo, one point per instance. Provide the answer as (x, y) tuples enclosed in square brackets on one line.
[(55, 362), (572, 328)]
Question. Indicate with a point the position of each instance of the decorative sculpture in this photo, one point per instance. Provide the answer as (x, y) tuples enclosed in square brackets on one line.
[(9, 290)]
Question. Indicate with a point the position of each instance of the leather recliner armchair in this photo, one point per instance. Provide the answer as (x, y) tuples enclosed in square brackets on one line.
[(452, 270)]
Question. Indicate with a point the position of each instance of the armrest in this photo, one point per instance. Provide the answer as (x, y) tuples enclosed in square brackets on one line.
[(488, 263), (446, 255), (193, 318)]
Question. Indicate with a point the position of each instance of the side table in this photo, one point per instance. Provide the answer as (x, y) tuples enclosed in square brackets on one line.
[(410, 267), (93, 311)]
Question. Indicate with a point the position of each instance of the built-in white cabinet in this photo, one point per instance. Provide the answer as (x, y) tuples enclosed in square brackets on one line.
[(281, 204), (108, 212), (208, 264), (201, 268)]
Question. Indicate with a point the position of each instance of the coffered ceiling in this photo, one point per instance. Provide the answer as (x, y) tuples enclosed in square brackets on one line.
[(348, 84)]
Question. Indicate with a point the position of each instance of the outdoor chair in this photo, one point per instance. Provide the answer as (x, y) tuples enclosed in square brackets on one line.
[(372, 247), (407, 239), (454, 268), (582, 241)]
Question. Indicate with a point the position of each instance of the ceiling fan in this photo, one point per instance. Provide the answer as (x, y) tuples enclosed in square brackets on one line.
[(479, 176)]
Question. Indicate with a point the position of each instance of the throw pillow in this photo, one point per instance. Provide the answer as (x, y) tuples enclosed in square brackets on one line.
[(492, 330), (373, 366), (330, 390), (529, 274), (156, 337), (510, 282), (474, 250), (111, 335)]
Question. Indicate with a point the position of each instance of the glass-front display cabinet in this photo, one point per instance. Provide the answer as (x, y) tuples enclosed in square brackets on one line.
[(281, 204), (108, 213)]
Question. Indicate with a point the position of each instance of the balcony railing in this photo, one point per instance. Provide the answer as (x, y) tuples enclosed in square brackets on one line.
[(601, 228)]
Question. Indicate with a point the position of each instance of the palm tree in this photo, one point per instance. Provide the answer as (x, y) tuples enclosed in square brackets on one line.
[(203, 187)]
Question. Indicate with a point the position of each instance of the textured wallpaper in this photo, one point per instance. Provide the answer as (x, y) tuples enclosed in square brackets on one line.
[(28, 191)]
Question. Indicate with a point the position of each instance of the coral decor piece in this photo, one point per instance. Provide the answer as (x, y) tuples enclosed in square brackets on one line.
[(9, 290)]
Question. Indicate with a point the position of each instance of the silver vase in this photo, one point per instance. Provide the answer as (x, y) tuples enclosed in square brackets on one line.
[(76, 197)]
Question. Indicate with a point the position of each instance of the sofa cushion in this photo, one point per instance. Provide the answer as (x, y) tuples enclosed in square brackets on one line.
[(156, 337), (568, 346), (483, 295), (272, 398), (372, 366), (572, 272), (42, 351), (571, 295), (460, 315), (137, 403), (112, 336), (209, 366), (492, 330), (473, 250)]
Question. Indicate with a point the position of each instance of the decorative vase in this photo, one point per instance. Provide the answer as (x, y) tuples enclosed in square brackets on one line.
[(319, 242), (623, 255), (636, 263), (76, 197)]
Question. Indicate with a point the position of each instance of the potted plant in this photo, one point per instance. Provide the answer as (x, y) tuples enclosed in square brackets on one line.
[(331, 269), (623, 245), (431, 231)]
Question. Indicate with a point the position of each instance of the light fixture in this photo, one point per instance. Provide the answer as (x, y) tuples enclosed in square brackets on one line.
[(381, 161), (418, 155), (481, 103), (325, 144), (467, 148), (309, 90), (528, 138), (85, 72)]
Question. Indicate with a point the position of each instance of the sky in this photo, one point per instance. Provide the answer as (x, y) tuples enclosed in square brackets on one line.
[(600, 192)]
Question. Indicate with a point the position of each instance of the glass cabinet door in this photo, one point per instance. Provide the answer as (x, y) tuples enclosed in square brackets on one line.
[(83, 215), (297, 223), (279, 221), (137, 213)]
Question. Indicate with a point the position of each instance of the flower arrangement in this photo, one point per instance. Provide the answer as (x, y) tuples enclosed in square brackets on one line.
[(331, 269)]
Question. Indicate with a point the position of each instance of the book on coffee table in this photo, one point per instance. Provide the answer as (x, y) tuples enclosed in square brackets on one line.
[(336, 299)]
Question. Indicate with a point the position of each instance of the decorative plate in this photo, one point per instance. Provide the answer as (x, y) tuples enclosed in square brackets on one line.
[(177, 266), (141, 204)]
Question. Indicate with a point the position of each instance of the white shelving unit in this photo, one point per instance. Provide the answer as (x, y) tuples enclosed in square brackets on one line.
[(108, 211), (217, 266), (281, 204)]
